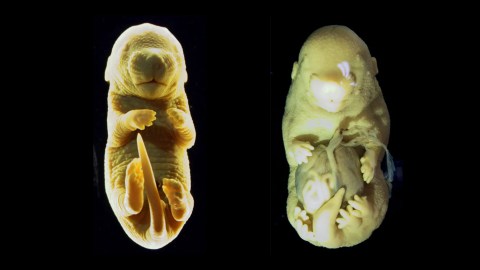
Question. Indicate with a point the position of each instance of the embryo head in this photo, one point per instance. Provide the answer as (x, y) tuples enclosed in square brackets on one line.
[(333, 64), (147, 61)]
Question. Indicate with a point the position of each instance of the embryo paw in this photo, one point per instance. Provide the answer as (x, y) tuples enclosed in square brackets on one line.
[(368, 167), (347, 218), (134, 185), (176, 116), (360, 207), (301, 151), (177, 198), (139, 119), (303, 224)]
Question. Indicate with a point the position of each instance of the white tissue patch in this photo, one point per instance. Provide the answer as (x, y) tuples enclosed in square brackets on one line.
[(329, 95), (345, 68)]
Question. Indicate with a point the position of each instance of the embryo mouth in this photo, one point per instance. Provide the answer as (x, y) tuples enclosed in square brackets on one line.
[(151, 82)]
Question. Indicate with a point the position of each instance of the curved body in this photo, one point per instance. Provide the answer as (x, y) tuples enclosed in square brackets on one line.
[(147, 174), (334, 94)]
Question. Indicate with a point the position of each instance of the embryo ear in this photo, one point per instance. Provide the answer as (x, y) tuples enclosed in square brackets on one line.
[(107, 70), (185, 75), (374, 66), (294, 70)]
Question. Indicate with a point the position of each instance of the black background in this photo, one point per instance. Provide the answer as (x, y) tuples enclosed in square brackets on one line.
[(428, 72), (239, 75)]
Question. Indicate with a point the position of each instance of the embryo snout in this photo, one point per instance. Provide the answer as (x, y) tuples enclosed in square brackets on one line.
[(151, 65)]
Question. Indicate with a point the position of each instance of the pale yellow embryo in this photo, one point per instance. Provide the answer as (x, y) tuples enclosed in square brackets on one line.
[(147, 173), (335, 128)]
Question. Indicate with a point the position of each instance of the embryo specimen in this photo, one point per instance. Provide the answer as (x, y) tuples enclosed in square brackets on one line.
[(147, 173), (335, 130)]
